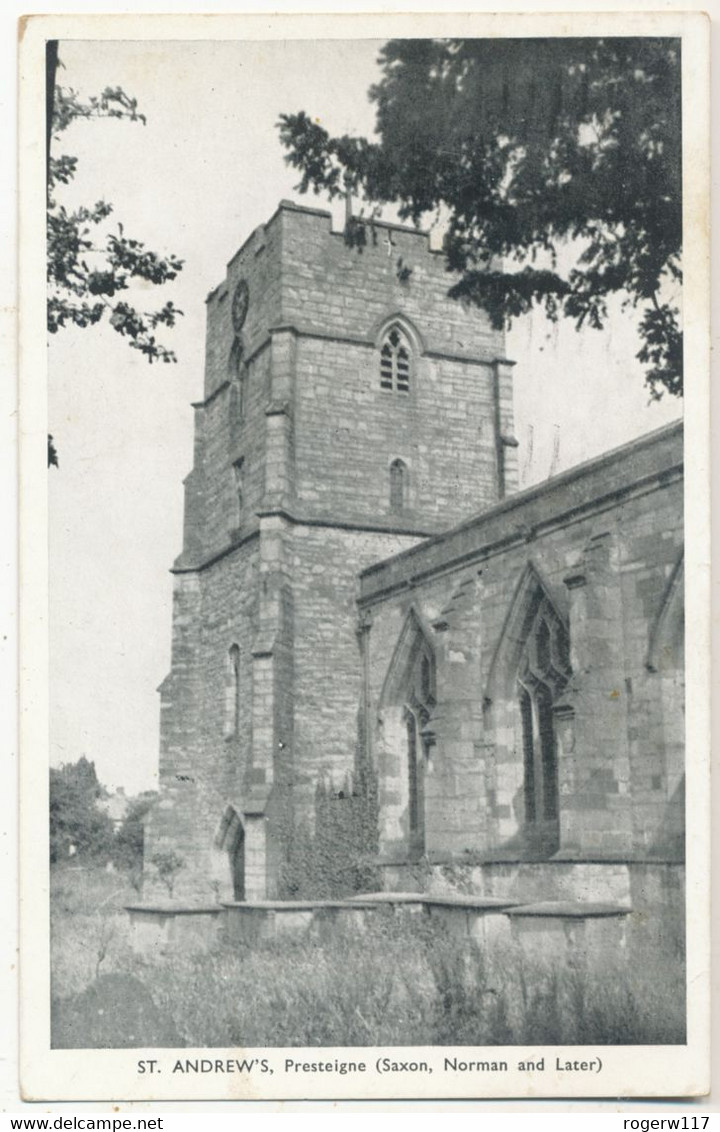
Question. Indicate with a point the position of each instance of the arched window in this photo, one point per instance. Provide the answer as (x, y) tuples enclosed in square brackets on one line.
[(395, 362), (426, 682), (408, 697), (398, 486), (418, 708), (237, 864), (543, 672), (237, 376), (414, 778), (232, 693), (239, 486)]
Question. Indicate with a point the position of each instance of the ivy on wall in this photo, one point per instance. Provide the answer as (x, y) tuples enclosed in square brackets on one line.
[(337, 858)]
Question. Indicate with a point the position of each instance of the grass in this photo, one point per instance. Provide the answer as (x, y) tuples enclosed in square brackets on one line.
[(403, 981), (89, 928)]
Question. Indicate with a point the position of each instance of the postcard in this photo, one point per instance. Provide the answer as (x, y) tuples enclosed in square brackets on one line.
[(365, 513)]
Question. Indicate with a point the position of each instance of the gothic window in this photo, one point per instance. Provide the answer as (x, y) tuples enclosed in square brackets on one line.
[(237, 375), (239, 486), (413, 776), (395, 357), (666, 660), (425, 678), (398, 485), (409, 697), (232, 693), (526, 715), (420, 702), (237, 865), (543, 672)]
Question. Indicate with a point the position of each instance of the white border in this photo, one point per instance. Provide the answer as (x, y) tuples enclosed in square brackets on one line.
[(100, 1074)]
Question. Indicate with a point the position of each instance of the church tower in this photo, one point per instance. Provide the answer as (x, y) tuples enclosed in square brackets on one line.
[(350, 411)]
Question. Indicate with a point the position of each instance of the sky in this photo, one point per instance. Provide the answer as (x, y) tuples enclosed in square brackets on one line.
[(204, 171)]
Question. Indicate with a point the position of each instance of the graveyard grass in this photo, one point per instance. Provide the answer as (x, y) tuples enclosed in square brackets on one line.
[(400, 982)]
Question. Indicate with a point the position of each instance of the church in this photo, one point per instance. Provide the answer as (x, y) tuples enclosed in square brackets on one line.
[(391, 669)]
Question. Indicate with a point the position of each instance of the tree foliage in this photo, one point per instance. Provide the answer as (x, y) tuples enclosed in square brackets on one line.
[(129, 843), (529, 150), (168, 864), (76, 820), (91, 269)]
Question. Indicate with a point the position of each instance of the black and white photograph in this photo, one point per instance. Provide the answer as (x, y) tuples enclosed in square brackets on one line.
[(367, 511)]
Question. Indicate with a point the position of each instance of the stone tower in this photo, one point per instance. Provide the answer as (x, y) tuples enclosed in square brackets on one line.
[(350, 410)]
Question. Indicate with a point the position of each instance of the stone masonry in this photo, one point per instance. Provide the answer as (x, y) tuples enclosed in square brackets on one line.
[(600, 548), (369, 620), (297, 442)]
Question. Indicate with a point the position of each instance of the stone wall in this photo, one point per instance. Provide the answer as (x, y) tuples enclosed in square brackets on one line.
[(258, 262), (348, 429), (337, 291), (289, 500), (305, 413), (289, 496), (351, 430), (204, 757), (603, 545)]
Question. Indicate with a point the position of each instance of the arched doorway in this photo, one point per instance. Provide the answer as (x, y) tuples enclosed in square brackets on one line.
[(230, 843)]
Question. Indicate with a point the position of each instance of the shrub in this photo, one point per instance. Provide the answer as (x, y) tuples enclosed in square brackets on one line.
[(168, 864), (129, 843), (78, 827)]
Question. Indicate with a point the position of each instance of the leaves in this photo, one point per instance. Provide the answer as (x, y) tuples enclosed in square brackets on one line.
[(129, 843), (662, 350), (52, 456), (112, 103), (77, 824), (168, 864), (129, 258), (128, 322), (530, 149), (87, 267)]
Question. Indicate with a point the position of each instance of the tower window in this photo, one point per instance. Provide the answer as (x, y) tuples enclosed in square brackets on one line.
[(398, 486), (239, 485), (232, 693), (395, 362), (237, 375)]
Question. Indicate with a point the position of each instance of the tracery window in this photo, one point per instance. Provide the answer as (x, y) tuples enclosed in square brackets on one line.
[(543, 672), (395, 362), (418, 708)]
